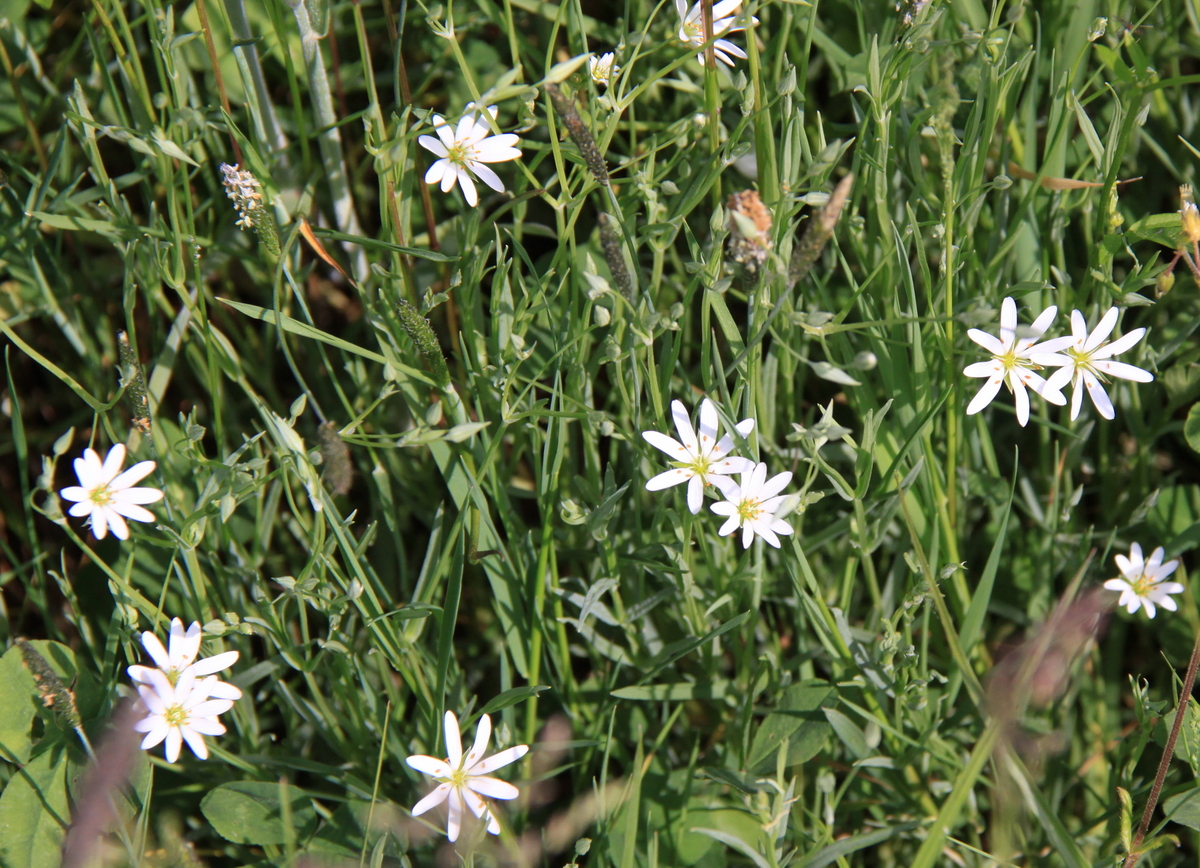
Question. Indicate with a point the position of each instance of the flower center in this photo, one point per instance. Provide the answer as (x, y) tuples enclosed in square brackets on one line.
[(101, 496), (749, 510), (1143, 585), (1083, 359), (699, 465), (176, 715), (460, 153)]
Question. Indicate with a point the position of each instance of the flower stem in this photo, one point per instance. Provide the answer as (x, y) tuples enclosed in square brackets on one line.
[(1185, 698)]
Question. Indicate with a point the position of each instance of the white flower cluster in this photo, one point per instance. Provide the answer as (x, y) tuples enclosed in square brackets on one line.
[(1083, 361), (242, 187), (701, 459), (182, 696)]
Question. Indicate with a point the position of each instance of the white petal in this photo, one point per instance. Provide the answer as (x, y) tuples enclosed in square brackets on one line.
[(82, 509), (732, 465), (138, 495), (155, 649), (468, 187), (131, 511), (669, 445), (1021, 399), (984, 369), (500, 760), (493, 788), (695, 494), (134, 474), (449, 177), (1122, 371), (436, 171), (1045, 318), (483, 734), (1098, 395), (195, 741), (432, 800), (434, 144), (668, 478), (454, 816), (984, 396), (1121, 344), (764, 531), (155, 735), (1104, 328), (708, 426), (747, 535), (430, 766), (112, 463), (453, 740), (119, 528), (683, 425), (174, 743), (775, 485), (488, 176), (993, 345), (74, 492), (730, 525), (498, 149), (216, 663)]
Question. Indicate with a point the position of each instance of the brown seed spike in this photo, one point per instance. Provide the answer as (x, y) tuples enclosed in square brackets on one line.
[(580, 134), (749, 230)]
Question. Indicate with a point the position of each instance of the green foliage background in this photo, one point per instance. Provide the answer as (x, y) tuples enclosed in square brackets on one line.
[(490, 543)]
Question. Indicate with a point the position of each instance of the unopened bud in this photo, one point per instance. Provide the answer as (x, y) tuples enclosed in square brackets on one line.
[(1189, 215)]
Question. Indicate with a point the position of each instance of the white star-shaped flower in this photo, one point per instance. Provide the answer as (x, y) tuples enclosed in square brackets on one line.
[(1013, 362), (753, 504), (465, 149), (180, 712), (691, 28), (697, 460), (1142, 585), (603, 69), (106, 495), (1085, 362), (181, 657), (462, 778)]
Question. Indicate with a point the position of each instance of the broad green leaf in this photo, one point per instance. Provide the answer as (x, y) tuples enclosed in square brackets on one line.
[(17, 707), (1165, 229), (1184, 808), (798, 720), (251, 812), (849, 732), (1191, 427), (34, 813)]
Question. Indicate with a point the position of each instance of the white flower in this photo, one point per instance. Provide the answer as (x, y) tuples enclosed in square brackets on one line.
[(602, 69), (465, 148), (181, 657), (1142, 584), (462, 777), (1085, 362), (753, 504), (1013, 362), (691, 28), (105, 494), (697, 460), (180, 712)]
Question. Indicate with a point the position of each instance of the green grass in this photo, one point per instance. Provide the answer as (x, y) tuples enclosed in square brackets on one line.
[(381, 546)]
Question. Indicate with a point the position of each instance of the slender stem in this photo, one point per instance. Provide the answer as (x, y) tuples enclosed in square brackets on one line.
[(1185, 698), (206, 29), (329, 138)]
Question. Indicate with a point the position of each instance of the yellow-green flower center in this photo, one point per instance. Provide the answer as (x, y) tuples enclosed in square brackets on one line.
[(749, 510), (101, 496), (459, 153), (699, 465), (1143, 585), (176, 715)]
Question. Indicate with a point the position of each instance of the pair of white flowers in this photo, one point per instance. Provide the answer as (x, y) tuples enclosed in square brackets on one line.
[(701, 459), (1084, 360), (182, 697)]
